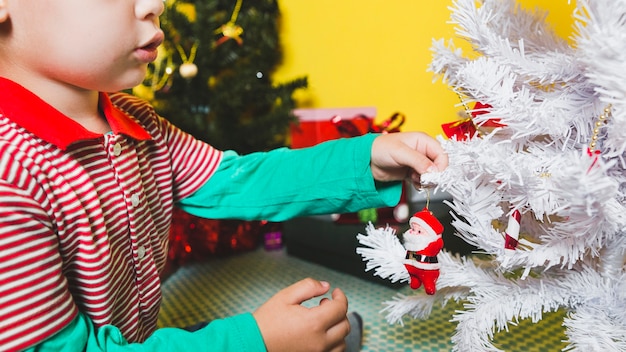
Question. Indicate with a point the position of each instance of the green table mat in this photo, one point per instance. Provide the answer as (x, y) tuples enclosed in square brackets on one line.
[(222, 287)]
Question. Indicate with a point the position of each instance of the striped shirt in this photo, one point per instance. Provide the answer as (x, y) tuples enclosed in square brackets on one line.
[(85, 217)]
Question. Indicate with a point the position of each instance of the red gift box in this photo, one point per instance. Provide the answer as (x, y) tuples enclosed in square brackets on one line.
[(319, 125)]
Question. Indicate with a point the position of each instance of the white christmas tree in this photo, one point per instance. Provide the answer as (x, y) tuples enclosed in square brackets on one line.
[(542, 193)]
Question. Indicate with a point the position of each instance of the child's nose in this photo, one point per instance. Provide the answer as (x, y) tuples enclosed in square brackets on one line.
[(149, 9)]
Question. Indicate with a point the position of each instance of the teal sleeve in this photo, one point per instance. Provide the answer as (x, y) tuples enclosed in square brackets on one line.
[(237, 333), (331, 177)]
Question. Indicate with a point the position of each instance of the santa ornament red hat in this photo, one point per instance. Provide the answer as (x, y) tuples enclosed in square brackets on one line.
[(427, 221)]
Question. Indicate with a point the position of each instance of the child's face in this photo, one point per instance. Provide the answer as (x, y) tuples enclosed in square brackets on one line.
[(90, 44)]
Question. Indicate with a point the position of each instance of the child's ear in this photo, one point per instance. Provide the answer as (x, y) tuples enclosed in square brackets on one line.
[(4, 11)]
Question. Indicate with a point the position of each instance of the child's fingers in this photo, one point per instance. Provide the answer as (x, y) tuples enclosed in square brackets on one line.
[(338, 295), (337, 333), (416, 160), (432, 150), (440, 158), (332, 314), (303, 290), (332, 311)]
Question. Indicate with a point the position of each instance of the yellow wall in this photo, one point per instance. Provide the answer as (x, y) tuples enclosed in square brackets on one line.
[(376, 53)]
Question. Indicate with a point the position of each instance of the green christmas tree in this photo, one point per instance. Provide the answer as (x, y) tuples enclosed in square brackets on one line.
[(213, 75), (213, 80)]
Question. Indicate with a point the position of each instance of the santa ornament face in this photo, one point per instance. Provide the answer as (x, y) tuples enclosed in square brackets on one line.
[(423, 242)]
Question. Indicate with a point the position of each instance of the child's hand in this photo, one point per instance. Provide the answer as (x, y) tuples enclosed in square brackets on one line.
[(396, 156), (286, 325)]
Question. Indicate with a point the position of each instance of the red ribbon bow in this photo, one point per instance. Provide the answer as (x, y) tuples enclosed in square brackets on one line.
[(466, 128), (348, 128), (462, 129)]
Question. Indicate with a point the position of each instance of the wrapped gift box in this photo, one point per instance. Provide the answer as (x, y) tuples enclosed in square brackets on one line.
[(318, 125)]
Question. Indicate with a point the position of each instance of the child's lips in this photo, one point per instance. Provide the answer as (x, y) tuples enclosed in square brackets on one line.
[(148, 52), (154, 43)]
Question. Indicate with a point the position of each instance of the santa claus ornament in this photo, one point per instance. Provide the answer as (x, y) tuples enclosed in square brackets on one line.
[(423, 242), (411, 257)]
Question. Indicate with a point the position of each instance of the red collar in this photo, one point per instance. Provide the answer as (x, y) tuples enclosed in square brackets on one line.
[(26, 109)]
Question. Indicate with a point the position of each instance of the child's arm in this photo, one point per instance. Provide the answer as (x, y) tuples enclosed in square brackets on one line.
[(237, 333), (331, 177), (336, 176), (280, 324)]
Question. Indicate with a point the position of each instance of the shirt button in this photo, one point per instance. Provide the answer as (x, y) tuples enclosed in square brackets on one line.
[(141, 252), (117, 149), (134, 200)]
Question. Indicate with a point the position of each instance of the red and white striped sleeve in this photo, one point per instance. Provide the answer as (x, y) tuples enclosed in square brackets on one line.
[(193, 161), (35, 301)]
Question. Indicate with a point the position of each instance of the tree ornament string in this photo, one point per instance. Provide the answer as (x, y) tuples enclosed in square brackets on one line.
[(467, 115), (466, 108), (161, 74), (612, 257), (463, 128), (188, 69), (602, 120), (230, 29), (591, 149)]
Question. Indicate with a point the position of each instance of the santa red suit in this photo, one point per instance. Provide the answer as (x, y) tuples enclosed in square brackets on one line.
[(423, 242)]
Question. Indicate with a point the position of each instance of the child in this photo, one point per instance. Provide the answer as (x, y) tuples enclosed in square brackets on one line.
[(88, 181)]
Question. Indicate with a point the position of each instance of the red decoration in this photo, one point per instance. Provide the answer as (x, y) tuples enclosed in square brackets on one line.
[(466, 128), (195, 239), (348, 128), (481, 109), (229, 31), (319, 125), (594, 154), (461, 130), (512, 231)]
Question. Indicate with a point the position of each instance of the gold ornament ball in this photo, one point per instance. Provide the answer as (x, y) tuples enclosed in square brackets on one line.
[(188, 70)]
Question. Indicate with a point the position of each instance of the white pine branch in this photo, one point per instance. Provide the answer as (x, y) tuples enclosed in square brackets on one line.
[(383, 253)]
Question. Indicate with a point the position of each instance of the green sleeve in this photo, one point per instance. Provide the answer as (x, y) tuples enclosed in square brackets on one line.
[(237, 333), (331, 177)]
